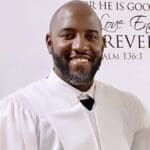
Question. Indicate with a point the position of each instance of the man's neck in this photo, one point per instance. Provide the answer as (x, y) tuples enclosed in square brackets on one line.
[(84, 87), (80, 87)]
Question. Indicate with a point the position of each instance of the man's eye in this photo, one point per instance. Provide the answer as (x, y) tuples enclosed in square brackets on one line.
[(68, 36), (91, 37)]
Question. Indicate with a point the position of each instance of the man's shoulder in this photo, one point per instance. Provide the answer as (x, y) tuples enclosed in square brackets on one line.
[(128, 105), (114, 96), (27, 96), (112, 90), (28, 89)]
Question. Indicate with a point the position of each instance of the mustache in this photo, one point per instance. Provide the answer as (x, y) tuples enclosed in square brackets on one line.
[(76, 54)]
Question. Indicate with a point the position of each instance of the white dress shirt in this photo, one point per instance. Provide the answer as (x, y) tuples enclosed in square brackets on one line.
[(47, 115)]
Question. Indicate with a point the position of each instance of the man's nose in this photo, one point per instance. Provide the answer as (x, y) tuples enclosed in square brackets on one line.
[(80, 44)]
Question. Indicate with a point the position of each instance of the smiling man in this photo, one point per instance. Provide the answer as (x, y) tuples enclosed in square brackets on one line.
[(70, 110), (75, 42)]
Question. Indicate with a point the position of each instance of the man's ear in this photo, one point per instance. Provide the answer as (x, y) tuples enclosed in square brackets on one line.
[(49, 43), (104, 43)]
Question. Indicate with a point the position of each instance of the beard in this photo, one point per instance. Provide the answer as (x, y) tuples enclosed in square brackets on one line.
[(78, 78)]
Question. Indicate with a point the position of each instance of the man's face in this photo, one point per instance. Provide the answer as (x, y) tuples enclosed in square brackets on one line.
[(76, 45)]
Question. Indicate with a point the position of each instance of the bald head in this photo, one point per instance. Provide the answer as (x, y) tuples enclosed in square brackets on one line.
[(76, 44), (77, 7)]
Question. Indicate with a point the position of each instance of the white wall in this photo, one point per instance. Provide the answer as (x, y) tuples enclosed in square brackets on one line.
[(23, 54)]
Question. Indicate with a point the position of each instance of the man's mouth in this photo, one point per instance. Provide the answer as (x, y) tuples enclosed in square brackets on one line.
[(79, 60)]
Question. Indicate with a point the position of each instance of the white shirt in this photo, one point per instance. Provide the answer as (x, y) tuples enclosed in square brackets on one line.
[(47, 115), (142, 140)]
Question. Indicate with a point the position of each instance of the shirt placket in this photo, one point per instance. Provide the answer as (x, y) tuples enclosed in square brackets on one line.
[(94, 125)]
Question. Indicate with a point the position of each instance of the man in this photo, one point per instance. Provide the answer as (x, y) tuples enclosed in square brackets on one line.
[(70, 110)]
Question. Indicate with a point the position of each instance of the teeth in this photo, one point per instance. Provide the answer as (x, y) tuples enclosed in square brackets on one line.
[(79, 60)]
